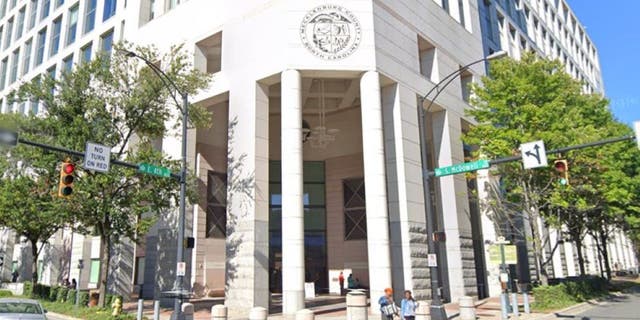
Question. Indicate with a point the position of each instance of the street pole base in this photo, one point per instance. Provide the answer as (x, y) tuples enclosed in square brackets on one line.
[(437, 312)]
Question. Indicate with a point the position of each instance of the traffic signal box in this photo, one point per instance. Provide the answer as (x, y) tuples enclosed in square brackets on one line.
[(65, 187), (562, 170)]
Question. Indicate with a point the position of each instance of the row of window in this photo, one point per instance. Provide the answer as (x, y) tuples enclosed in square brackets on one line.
[(14, 27), (458, 10), (9, 68)]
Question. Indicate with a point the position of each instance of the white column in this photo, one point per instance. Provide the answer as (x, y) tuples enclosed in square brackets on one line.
[(375, 187), (292, 205), (556, 258)]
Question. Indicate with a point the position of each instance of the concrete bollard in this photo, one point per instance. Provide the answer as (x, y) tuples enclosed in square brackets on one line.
[(525, 298), (514, 305), (140, 309), (305, 314), (422, 311), (357, 305), (258, 313), (219, 312), (467, 308), (156, 310), (187, 311)]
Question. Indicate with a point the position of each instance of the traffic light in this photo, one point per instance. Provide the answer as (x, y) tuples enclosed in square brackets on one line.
[(65, 187), (562, 170)]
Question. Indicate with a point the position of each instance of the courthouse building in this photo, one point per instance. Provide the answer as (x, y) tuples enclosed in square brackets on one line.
[(312, 164)]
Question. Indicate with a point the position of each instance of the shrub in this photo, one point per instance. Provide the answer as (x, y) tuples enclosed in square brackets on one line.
[(84, 298), (27, 288), (71, 296), (568, 293), (5, 293), (53, 293), (62, 294), (41, 291)]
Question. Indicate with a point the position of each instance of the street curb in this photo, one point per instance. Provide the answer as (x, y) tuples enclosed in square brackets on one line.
[(573, 310), (62, 316)]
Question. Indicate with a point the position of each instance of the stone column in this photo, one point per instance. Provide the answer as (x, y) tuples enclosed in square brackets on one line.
[(405, 192), (459, 278), (292, 204), (247, 241), (375, 187)]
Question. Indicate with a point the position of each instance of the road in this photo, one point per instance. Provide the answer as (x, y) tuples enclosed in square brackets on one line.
[(626, 307)]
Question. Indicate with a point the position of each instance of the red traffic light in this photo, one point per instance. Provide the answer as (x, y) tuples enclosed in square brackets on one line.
[(68, 168)]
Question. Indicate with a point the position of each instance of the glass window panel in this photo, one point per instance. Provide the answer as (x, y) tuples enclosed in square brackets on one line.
[(313, 171), (315, 219), (314, 194), (94, 275)]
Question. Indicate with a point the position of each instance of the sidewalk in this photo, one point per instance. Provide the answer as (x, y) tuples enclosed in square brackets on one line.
[(485, 309)]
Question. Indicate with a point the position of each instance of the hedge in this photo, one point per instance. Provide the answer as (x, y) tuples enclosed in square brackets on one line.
[(71, 296), (568, 293), (27, 288), (5, 293)]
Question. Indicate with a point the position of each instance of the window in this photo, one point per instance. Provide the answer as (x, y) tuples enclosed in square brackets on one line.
[(67, 63), (216, 220), (46, 4), (466, 78), (55, 37), (427, 57), (14, 66), (106, 42), (3, 8), (139, 271), (35, 106), (27, 56), (42, 37), (172, 4), (1, 31), (355, 213), (12, 4), (59, 3), (94, 275), (90, 16), (40, 270), (461, 5), (208, 57), (3, 72), (20, 24), (51, 72), (73, 25), (7, 39), (34, 14), (85, 53), (109, 9)]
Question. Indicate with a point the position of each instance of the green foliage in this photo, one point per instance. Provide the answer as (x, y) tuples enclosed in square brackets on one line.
[(84, 313), (83, 298), (53, 293), (568, 293), (128, 107), (71, 296), (63, 292), (27, 289), (41, 291), (5, 293)]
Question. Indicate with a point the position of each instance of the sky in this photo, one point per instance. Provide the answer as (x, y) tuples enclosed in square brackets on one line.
[(614, 29)]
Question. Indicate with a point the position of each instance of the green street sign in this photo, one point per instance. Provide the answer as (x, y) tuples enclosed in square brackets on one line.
[(462, 167), (154, 170)]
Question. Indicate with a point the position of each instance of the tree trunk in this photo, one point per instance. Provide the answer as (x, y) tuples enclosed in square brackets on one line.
[(578, 242), (105, 259), (34, 264), (599, 256), (537, 250), (605, 253)]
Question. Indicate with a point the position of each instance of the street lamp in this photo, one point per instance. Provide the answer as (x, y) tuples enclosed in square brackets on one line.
[(178, 285), (437, 310)]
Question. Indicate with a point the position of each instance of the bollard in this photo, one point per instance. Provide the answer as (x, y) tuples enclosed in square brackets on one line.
[(140, 309), (422, 311), (219, 312), (156, 310), (525, 298), (357, 305), (504, 302), (305, 314), (467, 308), (187, 311), (258, 313), (514, 304)]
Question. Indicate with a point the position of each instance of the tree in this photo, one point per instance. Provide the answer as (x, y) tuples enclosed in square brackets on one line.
[(522, 101), (119, 102), (28, 190)]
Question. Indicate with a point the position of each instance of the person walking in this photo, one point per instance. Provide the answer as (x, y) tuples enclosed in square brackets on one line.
[(341, 281), (408, 306), (388, 308)]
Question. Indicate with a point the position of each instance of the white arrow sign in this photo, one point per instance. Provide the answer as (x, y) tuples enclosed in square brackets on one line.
[(533, 154)]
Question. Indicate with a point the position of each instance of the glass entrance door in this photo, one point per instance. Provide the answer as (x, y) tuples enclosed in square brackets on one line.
[(315, 235)]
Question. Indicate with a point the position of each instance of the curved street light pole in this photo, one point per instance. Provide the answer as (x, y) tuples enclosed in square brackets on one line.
[(437, 310), (179, 283)]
